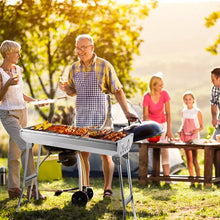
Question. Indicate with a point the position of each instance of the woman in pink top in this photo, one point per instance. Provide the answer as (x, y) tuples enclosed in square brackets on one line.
[(156, 107)]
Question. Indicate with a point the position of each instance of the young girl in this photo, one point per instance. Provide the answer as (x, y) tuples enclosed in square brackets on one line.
[(156, 107), (192, 124)]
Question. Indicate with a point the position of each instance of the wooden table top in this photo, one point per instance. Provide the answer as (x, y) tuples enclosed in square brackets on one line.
[(178, 145)]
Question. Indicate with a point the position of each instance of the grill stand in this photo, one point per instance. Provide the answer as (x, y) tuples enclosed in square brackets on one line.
[(117, 161), (82, 178)]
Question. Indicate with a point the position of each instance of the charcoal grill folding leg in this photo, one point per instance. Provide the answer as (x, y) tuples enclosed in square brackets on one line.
[(31, 177), (117, 161)]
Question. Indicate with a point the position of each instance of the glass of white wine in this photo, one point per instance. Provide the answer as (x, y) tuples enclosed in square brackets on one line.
[(15, 74), (62, 80)]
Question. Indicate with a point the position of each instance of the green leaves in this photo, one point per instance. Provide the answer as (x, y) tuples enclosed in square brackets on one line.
[(47, 32), (210, 21)]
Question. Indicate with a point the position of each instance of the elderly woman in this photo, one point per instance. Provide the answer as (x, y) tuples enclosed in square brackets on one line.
[(13, 115)]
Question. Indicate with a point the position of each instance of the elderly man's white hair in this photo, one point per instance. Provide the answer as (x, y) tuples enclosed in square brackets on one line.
[(85, 36)]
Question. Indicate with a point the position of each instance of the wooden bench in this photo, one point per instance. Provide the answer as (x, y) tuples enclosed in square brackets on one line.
[(156, 177)]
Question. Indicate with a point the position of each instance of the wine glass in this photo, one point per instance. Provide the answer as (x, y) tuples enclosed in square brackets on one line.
[(62, 80), (15, 74)]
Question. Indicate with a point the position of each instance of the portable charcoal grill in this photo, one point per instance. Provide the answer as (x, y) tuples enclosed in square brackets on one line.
[(116, 149)]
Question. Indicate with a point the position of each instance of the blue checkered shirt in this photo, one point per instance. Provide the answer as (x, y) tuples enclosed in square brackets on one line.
[(215, 97)]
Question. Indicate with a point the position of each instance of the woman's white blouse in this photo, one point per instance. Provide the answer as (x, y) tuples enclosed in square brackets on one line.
[(13, 98)]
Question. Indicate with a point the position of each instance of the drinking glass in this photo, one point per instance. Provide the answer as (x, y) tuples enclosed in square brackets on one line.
[(15, 74), (62, 80)]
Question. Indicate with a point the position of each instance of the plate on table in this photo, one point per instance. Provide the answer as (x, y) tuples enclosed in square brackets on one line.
[(42, 102), (46, 101), (205, 141), (176, 141)]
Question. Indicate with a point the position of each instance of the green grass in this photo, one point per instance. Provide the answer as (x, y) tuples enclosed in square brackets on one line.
[(151, 202)]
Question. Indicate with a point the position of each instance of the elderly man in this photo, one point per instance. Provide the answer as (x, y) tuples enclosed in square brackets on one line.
[(92, 79)]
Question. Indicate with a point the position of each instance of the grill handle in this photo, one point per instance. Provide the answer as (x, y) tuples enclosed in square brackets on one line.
[(138, 119)]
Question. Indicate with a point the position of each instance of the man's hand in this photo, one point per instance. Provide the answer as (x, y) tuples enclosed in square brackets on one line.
[(214, 122), (131, 117), (63, 86)]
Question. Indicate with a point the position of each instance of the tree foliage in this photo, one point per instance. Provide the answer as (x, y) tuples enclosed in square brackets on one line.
[(211, 21), (46, 30)]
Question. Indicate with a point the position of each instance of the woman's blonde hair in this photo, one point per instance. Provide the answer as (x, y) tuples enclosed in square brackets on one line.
[(8, 46), (154, 79)]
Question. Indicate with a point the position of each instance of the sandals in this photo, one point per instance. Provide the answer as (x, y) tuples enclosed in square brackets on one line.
[(107, 193), (14, 193), (34, 193)]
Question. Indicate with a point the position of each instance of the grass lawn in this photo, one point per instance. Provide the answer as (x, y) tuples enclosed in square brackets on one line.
[(151, 202)]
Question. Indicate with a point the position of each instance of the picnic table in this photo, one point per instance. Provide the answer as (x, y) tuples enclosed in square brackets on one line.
[(209, 150)]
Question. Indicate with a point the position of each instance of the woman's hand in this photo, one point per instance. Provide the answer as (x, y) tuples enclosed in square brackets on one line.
[(196, 131), (169, 135), (12, 81)]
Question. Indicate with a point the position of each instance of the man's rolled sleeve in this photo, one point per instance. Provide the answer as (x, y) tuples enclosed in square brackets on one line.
[(215, 96), (71, 82), (110, 83)]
